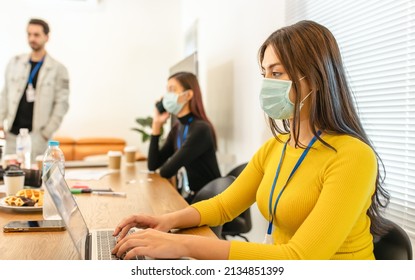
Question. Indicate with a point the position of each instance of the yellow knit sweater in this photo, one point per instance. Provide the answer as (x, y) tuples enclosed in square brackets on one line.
[(322, 212)]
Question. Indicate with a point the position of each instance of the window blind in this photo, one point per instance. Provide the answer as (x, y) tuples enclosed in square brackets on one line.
[(377, 41)]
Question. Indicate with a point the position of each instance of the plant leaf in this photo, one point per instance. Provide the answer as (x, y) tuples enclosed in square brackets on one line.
[(139, 130), (145, 121)]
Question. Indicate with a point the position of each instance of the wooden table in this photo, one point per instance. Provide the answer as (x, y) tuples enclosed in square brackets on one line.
[(146, 193)]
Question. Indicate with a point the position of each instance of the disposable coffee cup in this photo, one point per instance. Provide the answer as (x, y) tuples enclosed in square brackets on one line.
[(130, 152), (114, 160), (14, 181), (39, 162)]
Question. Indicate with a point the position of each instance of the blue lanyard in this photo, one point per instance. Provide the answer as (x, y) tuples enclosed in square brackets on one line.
[(35, 70), (272, 212), (186, 129)]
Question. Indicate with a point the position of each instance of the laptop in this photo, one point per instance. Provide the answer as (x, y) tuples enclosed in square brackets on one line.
[(90, 244)]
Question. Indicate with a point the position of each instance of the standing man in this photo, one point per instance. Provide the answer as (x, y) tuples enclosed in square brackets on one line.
[(35, 94)]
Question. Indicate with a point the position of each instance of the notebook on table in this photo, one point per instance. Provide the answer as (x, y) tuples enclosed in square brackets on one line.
[(90, 244)]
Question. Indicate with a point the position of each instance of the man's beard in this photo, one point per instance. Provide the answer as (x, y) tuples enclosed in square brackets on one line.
[(35, 47)]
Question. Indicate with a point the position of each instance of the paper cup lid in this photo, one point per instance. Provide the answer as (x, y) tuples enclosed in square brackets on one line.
[(130, 149), (13, 173), (114, 153)]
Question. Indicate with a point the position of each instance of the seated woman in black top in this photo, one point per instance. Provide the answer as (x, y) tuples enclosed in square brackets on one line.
[(191, 143)]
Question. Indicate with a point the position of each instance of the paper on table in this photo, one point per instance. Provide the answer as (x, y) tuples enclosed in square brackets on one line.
[(86, 174)]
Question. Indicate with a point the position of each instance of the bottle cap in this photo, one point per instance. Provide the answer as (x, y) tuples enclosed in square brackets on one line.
[(53, 143)]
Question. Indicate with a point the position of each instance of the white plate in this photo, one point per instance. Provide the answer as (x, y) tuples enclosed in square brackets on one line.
[(4, 205)]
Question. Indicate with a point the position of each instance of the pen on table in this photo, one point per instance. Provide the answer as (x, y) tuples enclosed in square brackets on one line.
[(80, 187), (77, 191), (110, 193)]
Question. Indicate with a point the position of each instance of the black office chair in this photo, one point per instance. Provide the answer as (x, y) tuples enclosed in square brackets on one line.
[(210, 190), (238, 226), (394, 245), (237, 170), (242, 223)]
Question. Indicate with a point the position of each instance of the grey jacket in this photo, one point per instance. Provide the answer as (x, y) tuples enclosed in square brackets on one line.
[(52, 93)]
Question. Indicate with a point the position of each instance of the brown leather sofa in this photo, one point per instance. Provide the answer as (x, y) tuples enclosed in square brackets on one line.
[(79, 149)]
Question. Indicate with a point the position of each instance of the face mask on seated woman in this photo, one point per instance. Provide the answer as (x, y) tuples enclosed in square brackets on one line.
[(171, 102), (275, 98)]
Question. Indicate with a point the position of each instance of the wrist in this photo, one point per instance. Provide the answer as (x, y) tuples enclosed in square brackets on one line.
[(156, 128), (189, 246), (169, 221), (204, 248)]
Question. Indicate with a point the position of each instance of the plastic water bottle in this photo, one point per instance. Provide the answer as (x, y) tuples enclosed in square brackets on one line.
[(24, 148), (53, 154)]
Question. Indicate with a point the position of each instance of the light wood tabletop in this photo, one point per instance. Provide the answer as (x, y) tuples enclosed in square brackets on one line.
[(146, 193)]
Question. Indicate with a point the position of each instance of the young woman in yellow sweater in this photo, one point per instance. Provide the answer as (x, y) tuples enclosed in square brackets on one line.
[(317, 182)]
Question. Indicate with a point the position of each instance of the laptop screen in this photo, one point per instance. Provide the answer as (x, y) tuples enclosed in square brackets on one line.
[(67, 207)]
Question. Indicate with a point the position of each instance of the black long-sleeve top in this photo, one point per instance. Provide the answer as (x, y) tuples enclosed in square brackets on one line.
[(197, 153)]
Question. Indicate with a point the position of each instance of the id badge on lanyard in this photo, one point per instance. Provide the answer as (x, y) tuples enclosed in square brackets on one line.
[(183, 180), (272, 210), (30, 93), (268, 236)]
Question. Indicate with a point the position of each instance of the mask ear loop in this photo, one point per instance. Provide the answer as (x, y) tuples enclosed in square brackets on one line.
[(182, 94), (302, 101)]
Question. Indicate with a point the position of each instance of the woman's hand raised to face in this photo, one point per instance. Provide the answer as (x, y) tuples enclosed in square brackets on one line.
[(158, 121)]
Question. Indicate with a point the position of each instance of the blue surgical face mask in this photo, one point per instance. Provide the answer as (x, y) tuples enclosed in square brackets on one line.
[(275, 98), (171, 104)]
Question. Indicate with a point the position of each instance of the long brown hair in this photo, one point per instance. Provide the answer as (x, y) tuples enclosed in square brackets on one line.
[(310, 49), (189, 81)]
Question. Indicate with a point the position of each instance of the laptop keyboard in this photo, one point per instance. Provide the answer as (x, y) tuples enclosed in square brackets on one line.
[(106, 242)]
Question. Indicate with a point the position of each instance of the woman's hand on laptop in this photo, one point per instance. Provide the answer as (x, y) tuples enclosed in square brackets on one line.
[(184, 218), (151, 243), (141, 221), (161, 245)]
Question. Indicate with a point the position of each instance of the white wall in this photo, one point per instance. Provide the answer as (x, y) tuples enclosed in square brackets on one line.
[(229, 36), (118, 53)]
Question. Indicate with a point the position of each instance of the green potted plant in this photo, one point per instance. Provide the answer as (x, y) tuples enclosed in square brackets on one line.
[(144, 128)]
